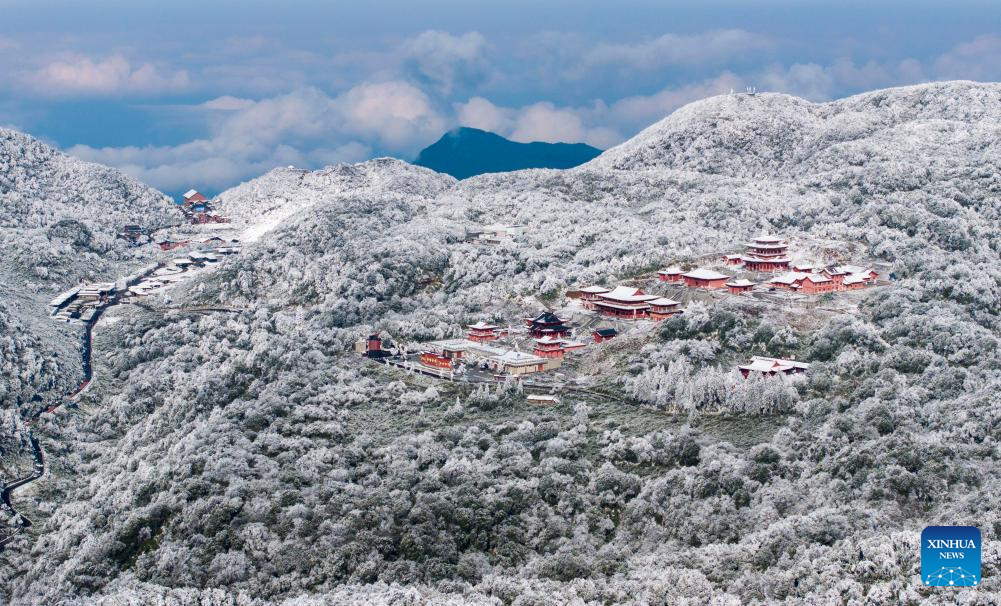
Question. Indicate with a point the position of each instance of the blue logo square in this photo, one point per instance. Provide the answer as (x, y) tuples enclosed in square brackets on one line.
[(950, 556)]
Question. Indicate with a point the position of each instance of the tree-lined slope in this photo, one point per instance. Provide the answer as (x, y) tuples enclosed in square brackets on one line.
[(249, 454)]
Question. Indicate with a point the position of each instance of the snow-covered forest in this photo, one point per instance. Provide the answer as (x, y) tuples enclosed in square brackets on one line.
[(248, 457), (59, 218)]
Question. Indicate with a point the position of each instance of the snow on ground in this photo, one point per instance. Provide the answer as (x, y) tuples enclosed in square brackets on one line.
[(269, 221)]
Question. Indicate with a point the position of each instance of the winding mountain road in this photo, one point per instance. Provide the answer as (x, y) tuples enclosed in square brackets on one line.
[(8, 489)]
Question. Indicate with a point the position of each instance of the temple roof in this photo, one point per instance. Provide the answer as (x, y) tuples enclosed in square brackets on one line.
[(705, 274), (481, 325), (546, 317), (628, 294)]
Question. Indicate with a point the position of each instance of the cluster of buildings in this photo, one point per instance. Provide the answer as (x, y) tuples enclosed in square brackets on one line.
[(548, 336), (550, 342), (198, 209), (157, 277), (82, 303), (218, 245), (489, 360), (771, 254), (827, 279), (454, 354)]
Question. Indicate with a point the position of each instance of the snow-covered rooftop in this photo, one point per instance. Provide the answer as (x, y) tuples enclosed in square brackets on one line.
[(855, 278), (848, 269), (627, 294), (706, 274), (763, 364), (793, 277), (481, 325), (518, 357)]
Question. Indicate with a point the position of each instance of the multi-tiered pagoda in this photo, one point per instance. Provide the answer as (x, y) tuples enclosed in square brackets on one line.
[(766, 253)]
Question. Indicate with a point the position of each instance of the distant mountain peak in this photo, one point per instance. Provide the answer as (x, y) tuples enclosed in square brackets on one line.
[(465, 152)]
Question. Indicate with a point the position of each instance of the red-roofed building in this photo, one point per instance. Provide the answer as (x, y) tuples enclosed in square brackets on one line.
[(671, 274), (481, 331), (625, 302), (740, 286), (704, 278), (548, 347), (805, 283), (766, 253), (435, 360), (590, 294), (604, 334), (193, 196), (662, 308)]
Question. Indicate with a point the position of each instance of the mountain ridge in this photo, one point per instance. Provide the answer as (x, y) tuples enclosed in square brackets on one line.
[(773, 117), (465, 152)]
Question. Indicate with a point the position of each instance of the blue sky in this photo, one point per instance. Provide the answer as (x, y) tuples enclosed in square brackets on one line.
[(210, 93)]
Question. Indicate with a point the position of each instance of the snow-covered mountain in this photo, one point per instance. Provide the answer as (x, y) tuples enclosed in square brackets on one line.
[(59, 218), (777, 135), (261, 204), (248, 456)]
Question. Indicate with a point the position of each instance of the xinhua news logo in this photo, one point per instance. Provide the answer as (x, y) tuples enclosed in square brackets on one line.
[(950, 556)]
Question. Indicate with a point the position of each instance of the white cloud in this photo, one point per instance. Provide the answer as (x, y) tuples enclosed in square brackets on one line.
[(631, 114), (599, 124), (709, 48), (397, 114), (81, 75), (545, 122), (538, 122), (306, 128), (445, 60), (825, 82), (392, 114), (227, 103), (481, 113), (979, 59)]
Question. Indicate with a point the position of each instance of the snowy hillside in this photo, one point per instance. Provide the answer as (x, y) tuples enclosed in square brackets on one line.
[(245, 454), (59, 218), (885, 133), (261, 204)]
